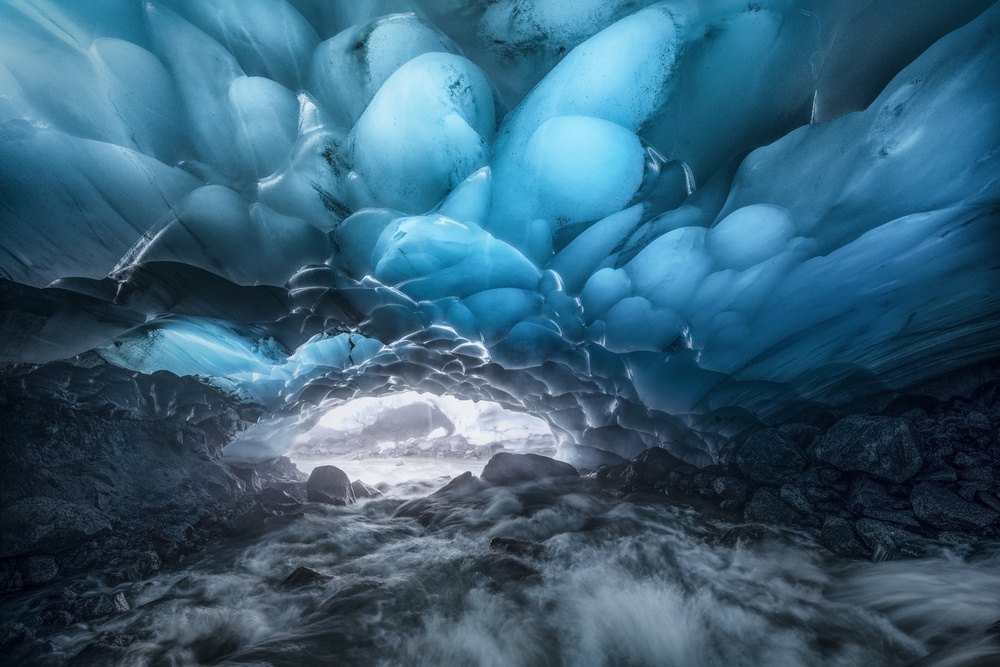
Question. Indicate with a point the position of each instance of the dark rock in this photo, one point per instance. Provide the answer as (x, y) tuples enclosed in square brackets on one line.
[(505, 469), (59, 617), (329, 485), (883, 447), (362, 490), (95, 606), (796, 499), (12, 634), (767, 508), (747, 533), (517, 547), (980, 474), (585, 457), (249, 476), (870, 499), (802, 435), (38, 525), (989, 499), (938, 473), (838, 536), (943, 509), (272, 496), (770, 457), (614, 475), (301, 576), (147, 564), (649, 469), (276, 472), (888, 541), (250, 519), (463, 488), (108, 649), (907, 403), (731, 491), (38, 570)]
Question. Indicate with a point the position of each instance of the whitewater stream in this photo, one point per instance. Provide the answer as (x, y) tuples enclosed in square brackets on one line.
[(540, 574)]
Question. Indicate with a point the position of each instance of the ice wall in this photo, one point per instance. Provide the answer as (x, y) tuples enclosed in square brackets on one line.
[(652, 223)]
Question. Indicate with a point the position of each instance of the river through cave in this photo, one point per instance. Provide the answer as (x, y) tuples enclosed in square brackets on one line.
[(556, 572)]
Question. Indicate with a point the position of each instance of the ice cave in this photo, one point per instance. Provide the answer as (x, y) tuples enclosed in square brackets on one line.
[(500, 332)]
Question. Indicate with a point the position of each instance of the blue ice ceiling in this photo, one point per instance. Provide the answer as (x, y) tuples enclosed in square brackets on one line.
[(650, 223)]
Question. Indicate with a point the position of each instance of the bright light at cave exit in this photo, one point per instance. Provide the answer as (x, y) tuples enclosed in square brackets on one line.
[(483, 424)]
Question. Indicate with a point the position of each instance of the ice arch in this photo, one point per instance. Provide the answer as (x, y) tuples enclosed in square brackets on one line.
[(650, 223)]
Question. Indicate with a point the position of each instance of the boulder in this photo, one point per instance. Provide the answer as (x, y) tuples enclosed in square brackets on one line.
[(838, 536), (870, 499), (95, 606), (505, 469), (301, 576), (329, 485), (38, 525), (767, 508), (770, 457), (517, 547), (883, 447), (945, 510), (731, 491), (887, 541), (650, 468), (272, 496), (362, 490)]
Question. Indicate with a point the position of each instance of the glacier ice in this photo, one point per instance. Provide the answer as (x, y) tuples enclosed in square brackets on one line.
[(647, 222)]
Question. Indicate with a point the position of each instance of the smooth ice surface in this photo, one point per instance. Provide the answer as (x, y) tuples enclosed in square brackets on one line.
[(426, 130)]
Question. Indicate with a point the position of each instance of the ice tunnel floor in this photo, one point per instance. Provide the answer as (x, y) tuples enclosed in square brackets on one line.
[(585, 579)]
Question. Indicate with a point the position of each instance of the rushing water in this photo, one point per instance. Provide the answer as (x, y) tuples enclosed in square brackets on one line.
[(603, 582)]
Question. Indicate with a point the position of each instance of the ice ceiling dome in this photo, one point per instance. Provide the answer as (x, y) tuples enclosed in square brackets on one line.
[(651, 223)]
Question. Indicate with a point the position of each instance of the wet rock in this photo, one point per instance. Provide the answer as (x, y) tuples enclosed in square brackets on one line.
[(584, 457), (38, 570), (989, 499), (767, 508), (147, 564), (748, 533), (301, 576), (796, 499), (95, 606), (517, 547), (870, 499), (38, 525), (945, 510), (649, 469), (329, 485), (362, 490), (248, 476), (505, 469), (938, 473), (613, 475), (14, 633), (838, 536), (108, 649), (770, 457), (883, 447), (275, 497), (731, 491), (462, 489), (249, 519), (802, 435), (888, 541)]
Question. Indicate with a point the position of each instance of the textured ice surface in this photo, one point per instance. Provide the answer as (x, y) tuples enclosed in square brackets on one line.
[(648, 223)]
